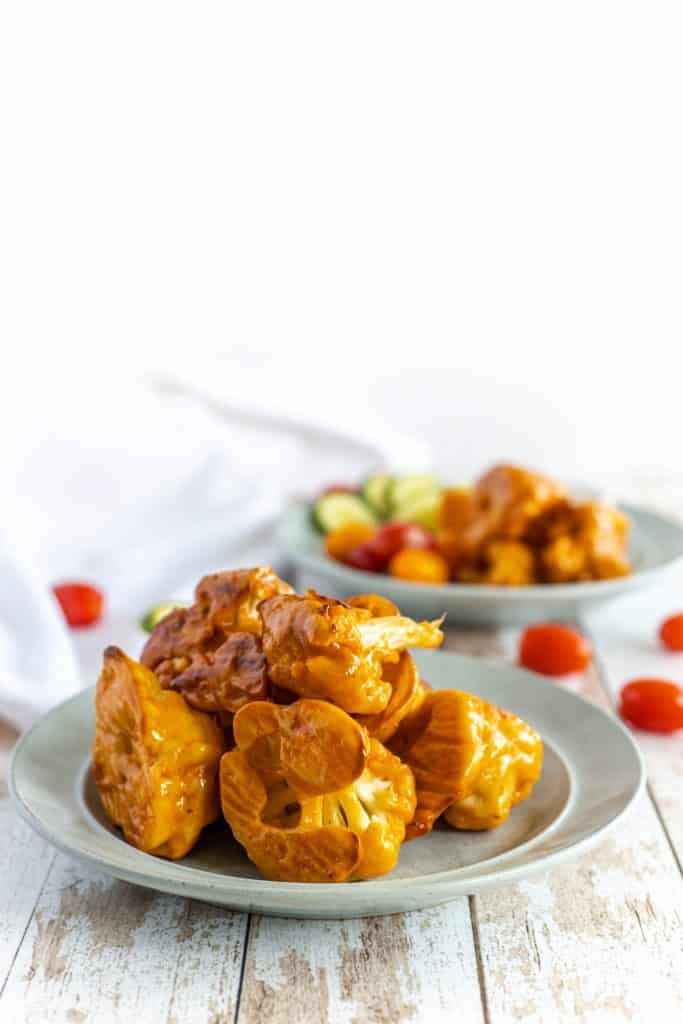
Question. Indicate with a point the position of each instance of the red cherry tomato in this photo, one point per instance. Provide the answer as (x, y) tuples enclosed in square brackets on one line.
[(652, 704), (338, 489), (391, 538), (671, 633), (554, 650), (363, 556), (81, 603)]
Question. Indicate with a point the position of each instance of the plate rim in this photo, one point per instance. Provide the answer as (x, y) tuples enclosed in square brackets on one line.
[(253, 893)]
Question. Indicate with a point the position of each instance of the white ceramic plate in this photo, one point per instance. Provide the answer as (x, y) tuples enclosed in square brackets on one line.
[(656, 544), (592, 772)]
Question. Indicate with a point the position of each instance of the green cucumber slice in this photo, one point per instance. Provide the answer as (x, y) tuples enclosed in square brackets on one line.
[(408, 490), (375, 491), (424, 511), (156, 614), (335, 510)]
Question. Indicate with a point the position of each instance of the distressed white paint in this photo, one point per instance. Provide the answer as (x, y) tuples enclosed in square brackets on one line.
[(407, 967), (99, 950), (24, 862)]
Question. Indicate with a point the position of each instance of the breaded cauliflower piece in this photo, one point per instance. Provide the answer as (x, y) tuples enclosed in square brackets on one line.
[(311, 797), (407, 693), (509, 563), (505, 563), (322, 648), (470, 760), (586, 541), (211, 652), (505, 502), (155, 760)]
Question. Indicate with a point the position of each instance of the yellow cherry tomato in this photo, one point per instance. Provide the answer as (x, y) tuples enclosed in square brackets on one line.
[(419, 565), (339, 542)]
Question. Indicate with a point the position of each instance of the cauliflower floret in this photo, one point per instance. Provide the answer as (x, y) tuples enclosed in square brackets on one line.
[(407, 692), (322, 648), (505, 563), (585, 542), (505, 502), (155, 760), (311, 797), (376, 807), (211, 652), (510, 563), (227, 678), (469, 758)]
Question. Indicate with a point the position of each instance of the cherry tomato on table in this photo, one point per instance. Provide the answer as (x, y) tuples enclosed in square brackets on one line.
[(81, 603), (655, 705), (671, 632), (554, 650)]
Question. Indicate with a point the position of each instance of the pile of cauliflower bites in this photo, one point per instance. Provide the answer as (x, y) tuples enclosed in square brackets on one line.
[(305, 720)]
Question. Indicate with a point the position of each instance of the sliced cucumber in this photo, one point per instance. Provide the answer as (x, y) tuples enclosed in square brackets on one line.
[(375, 491), (335, 510), (156, 614), (407, 491), (424, 511)]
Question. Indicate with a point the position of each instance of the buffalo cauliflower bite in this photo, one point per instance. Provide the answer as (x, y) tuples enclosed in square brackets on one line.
[(227, 678), (407, 692), (469, 759), (322, 648), (504, 504), (504, 563), (509, 563), (230, 600), (406, 687), (586, 541), (211, 652), (377, 605), (155, 760), (311, 797), (455, 510)]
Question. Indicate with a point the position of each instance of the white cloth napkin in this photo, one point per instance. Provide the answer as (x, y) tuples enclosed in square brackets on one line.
[(38, 665), (140, 488)]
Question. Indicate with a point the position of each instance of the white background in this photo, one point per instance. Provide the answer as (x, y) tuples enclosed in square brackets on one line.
[(468, 218)]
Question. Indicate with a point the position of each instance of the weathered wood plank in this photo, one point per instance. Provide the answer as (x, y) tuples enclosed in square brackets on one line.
[(598, 939), (101, 950), (408, 967), (595, 940), (24, 863)]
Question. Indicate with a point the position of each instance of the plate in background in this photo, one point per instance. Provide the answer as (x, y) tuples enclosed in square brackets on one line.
[(592, 773), (655, 545)]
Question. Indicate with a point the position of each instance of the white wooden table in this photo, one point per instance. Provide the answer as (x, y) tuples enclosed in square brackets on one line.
[(598, 940)]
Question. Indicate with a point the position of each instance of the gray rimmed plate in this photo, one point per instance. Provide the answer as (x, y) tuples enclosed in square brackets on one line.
[(592, 773), (656, 545)]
